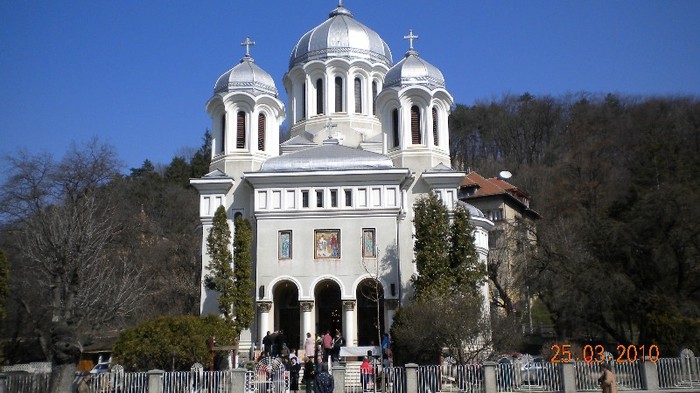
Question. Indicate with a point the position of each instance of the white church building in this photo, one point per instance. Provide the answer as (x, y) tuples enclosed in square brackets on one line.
[(331, 207)]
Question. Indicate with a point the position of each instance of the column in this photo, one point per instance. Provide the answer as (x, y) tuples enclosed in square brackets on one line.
[(307, 308), (264, 320), (349, 323)]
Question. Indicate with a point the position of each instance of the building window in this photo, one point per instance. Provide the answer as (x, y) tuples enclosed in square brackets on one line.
[(223, 133), (284, 245), (326, 243), (415, 125), (358, 96), (395, 126), (334, 198), (240, 130), (495, 215), (348, 198), (305, 198), (435, 127), (338, 94), (261, 132), (319, 96), (319, 198), (369, 246), (374, 98), (303, 101)]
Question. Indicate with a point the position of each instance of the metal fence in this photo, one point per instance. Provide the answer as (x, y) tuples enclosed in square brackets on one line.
[(678, 372), (531, 376), (628, 376)]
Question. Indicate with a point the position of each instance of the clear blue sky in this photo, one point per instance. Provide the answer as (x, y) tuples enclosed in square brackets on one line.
[(138, 73)]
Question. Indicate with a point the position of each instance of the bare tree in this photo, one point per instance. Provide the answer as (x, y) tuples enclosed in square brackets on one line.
[(81, 281)]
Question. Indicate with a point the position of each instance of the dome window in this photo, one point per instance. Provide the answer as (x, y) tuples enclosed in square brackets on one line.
[(261, 132), (338, 94), (319, 96), (240, 130), (374, 97), (415, 126), (358, 96), (435, 127), (395, 126), (223, 133)]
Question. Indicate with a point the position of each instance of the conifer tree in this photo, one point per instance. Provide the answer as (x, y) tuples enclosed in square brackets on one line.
[(221, 278), (466, 270), (432, 247), (243, 273)]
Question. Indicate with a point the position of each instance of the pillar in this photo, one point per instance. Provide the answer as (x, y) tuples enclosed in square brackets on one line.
[(411, 377), (338, 373), (349, 323), (490, 385), (568, 377), (307, 308), (155, 381), (650, 375), (264, 320)]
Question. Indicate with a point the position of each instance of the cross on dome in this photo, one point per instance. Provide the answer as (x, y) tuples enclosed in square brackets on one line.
[(247, 43), (410, 37)]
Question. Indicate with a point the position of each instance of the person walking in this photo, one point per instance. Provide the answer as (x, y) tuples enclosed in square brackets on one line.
[(338, 341), (324, 381), (327, 342), (607, 379)]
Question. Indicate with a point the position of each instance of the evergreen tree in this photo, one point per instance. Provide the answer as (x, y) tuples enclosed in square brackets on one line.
[(221, 278), (431, 247), (199, 163), (243, 273), (466, 270)]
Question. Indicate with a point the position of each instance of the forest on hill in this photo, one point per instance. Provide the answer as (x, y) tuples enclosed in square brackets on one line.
[(614, 178)]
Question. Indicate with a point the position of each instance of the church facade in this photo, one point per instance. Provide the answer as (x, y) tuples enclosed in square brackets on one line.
[(331, 207)]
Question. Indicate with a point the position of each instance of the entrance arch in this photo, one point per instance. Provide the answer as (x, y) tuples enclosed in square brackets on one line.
[(370, 301), (287, 314), (329, 307)]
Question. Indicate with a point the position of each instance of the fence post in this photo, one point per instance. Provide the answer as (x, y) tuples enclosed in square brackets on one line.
[(3, 383), (411, 377), (155, 381), (338, 373), (238, 380), (568, 377), (490, 385), (650, 375)]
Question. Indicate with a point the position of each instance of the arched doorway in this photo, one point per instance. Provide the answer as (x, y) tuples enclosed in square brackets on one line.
[(370, 312), (286, 298), (329, 307)]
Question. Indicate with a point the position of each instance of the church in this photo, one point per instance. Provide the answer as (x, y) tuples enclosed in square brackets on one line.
[(332, 206)]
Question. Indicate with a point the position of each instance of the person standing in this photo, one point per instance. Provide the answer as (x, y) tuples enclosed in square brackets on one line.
[(294, 368), (338, 341), (324, 381), (309, 346), (83, 384), (607, 379), (366, 372), (309, 373), (267, 344), (327, 342)]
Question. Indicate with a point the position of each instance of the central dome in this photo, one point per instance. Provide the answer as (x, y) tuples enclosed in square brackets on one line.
[(340, 36)]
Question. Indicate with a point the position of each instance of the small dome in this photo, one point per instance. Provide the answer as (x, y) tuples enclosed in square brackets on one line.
[(340, 36), (246, 76), (473, 211), (412, 70)]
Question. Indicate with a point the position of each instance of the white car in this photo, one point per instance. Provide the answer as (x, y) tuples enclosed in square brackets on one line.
[(100, 368)]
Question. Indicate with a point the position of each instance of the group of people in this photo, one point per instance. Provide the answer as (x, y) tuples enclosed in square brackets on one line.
[(331, 344)]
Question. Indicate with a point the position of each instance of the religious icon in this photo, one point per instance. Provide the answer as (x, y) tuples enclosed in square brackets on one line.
[(284, 245), (368, 244), (327, 243)]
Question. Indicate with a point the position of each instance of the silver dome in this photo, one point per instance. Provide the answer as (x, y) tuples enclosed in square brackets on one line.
[(325, 158), (246, 76), (473, 211), (340, 36), (413, 70)]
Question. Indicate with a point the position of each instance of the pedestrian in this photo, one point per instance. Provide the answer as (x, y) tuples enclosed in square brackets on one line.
[(338, 341), (607, 379), (324, 381), (83, 384), (294, 368), (309, 373), (309, 346), (327, 342), (267, 344)]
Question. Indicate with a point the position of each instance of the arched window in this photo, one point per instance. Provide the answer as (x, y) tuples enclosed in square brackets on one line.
[(435, 127), (240, 130), (395, 126), (338, 94), (223, 133), (415, 125), (358, 96), (374, 98), (319, 96), (303, 101), (261, 132)]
